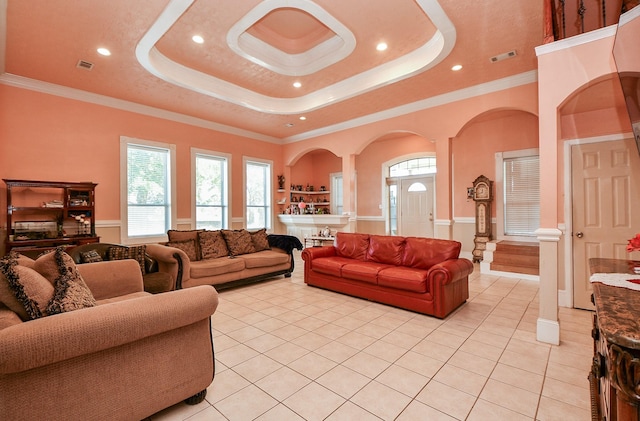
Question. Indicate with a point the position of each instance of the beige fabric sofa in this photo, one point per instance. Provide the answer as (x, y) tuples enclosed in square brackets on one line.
[(227, 271), (127, 358)]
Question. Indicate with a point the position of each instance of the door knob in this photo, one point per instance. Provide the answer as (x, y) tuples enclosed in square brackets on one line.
[(579, 234)]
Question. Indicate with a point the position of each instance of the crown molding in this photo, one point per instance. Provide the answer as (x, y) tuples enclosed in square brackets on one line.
[(567, 43), (80, 95), (435, 101)]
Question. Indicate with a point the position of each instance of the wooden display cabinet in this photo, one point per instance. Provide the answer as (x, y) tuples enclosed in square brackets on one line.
[(44, 214)]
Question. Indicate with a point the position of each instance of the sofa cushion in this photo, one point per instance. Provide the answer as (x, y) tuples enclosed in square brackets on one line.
[(238, 242), (352, 245), (133, 252), (330, 265), (212, 244), (425, 252), (90, 256), (260, 241), (363, 271), (70, 291), (264, 258), (213, 267), (186, 235), (386, 249), (23, 290), (400, 277), (188, 246)]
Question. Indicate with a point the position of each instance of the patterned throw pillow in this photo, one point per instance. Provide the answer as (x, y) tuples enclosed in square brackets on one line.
[(134, 252), (238, 242), (188, 246), (259, 239), (90, 256), (186, 235), (212, 244), (23, 290), (70, 291)]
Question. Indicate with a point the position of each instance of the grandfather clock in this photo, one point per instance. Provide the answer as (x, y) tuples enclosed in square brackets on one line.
[(483, 196)]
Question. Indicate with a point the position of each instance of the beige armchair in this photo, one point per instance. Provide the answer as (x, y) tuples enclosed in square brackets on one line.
[(129, 357)]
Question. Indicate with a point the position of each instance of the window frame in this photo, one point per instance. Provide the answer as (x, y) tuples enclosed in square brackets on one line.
[(269, 208), (501, 157), (227, 193), (125, 142)]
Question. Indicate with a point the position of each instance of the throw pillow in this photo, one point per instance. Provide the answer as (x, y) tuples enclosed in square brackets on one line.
[(23, 290), (212, 244), (238, 242), (186, 235), (134, 252), (70, 291), (259, 239), (90, 256), (188, 246)]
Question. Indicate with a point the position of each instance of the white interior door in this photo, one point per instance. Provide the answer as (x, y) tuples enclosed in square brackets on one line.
[(416, 207), (606, 191)]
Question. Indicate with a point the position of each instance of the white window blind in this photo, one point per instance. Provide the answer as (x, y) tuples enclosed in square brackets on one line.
[(148, 191), (258, 194), (521, 196), (211, 192)]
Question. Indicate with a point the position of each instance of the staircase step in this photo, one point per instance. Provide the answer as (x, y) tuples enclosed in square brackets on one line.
[(516, 257), (515, 269), (516, 247)]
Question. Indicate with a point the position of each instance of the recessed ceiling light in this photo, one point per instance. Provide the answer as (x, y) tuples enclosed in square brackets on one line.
[(288, 125), (297, 84), (303, 117), (103, 51), (456, 67), (382, 46), (197, 39)]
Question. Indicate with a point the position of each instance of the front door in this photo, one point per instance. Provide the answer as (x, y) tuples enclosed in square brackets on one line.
[(606, 196), (416, 217)]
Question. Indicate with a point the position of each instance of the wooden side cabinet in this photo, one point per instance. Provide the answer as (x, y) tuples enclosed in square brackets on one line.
[(615, 371), (45, 214)]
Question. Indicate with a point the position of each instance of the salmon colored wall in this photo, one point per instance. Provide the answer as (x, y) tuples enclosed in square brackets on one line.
[(439, 123), (498, 131), (45, 137), (369, 168), (594, 123), (561, 74)]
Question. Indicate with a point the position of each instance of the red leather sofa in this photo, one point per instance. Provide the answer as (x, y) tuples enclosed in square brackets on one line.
[(419, 274)]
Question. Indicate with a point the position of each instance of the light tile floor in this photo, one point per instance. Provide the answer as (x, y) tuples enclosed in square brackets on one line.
[(287, 351)]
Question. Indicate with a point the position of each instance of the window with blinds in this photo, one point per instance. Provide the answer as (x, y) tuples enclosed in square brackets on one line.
[(258, 194), (211, 187), (521, 196), (148, 190)]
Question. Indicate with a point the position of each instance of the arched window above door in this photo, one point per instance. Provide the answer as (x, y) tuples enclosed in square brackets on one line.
[(416, 166)]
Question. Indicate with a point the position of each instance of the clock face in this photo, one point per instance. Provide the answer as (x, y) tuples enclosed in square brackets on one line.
[(482, 191)]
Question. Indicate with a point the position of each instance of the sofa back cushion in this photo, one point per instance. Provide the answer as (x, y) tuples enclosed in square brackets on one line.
[(212, 244), (386, 249), (425, 252), (352, 245), (186, 235)]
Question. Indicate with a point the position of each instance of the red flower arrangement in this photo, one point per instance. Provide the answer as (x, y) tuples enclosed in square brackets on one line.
[(634, 244)]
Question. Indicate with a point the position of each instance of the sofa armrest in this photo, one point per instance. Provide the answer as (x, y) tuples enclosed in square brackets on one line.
[(171, 260), (310, 253), (60, 337), (112, 278), (449, 271)]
